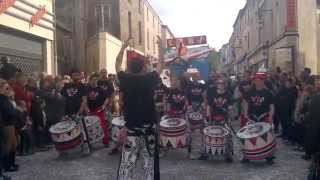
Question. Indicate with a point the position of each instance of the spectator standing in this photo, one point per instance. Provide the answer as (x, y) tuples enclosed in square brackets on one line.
[(9, 117), (7, 71)]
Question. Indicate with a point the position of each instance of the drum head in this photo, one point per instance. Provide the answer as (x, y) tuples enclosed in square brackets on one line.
[(90, 120), (254, 130), (62, 127), (215, 131), (195, 116), (172, 122), (118, 121)]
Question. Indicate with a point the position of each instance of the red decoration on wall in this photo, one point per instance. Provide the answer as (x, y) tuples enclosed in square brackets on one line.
[(5, 4), (38, 15), (291, 15)]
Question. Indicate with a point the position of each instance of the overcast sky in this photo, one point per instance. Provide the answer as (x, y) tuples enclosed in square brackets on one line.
[(213, 18)]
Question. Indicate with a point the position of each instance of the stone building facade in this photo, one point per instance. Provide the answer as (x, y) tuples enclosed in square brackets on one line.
[(93, 22), (276, 33)]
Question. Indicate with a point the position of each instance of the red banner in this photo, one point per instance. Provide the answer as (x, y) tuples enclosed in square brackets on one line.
[(291, 15), (187, 41), (5, 4), (38, 15)]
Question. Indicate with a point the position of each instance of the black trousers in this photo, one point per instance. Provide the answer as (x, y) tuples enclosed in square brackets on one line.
[(25, 142), (286, 124), (312, 144), (298, 133)]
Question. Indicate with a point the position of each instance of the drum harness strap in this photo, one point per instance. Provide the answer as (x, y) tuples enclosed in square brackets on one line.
[(259, 118), (196, 106)]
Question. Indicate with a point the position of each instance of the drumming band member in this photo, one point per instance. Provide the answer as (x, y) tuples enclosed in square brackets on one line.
[(244, 88), (137, 93), (160, 96), (177, 100), (98, 100), (195, 95), (75, 95), (105, 83), (260, 105), (218, 113)]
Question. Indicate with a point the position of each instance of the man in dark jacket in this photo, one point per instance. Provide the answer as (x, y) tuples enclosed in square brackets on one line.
[(8, 118), (313, 128)]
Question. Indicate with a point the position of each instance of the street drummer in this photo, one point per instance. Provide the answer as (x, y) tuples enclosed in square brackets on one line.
[(218, 113), (195, 94), (75, 95), (177, 100), (97, 102), (260, 105), (139, 134), (160, 97)]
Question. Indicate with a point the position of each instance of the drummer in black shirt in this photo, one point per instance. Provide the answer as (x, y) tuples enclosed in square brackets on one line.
[(160, 96), (137, 93), (218, 114), (260, 101), (105, 83), (195, 94), (98, 100), (177, 100), (75, 95), (260, 105)]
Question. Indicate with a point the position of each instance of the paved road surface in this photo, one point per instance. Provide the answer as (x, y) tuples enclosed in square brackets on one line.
[(175, 166)]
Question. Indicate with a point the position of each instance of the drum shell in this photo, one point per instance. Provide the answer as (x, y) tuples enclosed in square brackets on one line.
[(68, 140), (94, 129), (215, 145), (175, 136), (259, 147), (196, 123), (66, 136), (116, 127), (68, 146)]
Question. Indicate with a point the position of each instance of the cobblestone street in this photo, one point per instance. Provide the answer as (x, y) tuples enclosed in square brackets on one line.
[(175, 166)]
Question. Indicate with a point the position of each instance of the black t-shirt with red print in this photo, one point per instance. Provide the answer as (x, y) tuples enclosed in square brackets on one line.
[(177, 100), (106, 86), (259, 102), (73, 93), (219, 103), (96, 97)]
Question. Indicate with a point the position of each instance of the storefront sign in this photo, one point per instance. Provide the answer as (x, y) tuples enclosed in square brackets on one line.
[(187, 41), (5, 4), (291, 15), (38, 15)]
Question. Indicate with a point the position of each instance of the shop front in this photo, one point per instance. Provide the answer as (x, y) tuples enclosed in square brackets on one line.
[(27, 34)]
